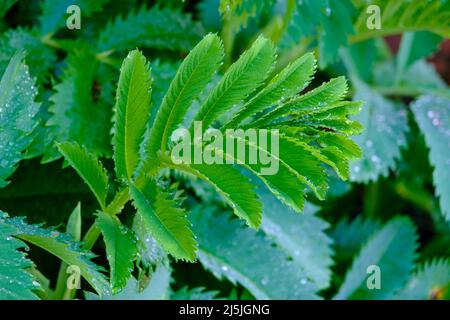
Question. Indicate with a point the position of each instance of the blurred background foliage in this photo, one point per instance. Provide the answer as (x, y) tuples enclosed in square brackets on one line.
[(394, 211)]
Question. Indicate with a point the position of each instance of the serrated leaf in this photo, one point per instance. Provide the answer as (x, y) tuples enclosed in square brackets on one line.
[(132, 112), (18, 110), (157, 289), (313, 101), (245, 256), (430, 281), (301, 236), (39, 57), (349, 236), (191, 78), (432, 113), (240, 80), (53, 12), (121, 249), (76, 115), (166, 222), (385, 124), (328, 21), (15, 282), (393, 250), (62, 246), (232, 185), (290, 81), (415, 15), (88, 167), (159, 28)]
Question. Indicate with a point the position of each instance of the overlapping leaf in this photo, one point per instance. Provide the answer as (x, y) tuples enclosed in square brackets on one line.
[(15, 282), (89, 169), (132, 113), (121, 249), (266, 271), (18, 110), (392, 249), (432, 113)]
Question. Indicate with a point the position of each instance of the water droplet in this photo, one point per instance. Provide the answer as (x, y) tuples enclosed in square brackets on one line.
[(375, 158)]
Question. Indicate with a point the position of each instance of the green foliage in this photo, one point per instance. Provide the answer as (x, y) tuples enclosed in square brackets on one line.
[(17, 114), (157, 28), (302, 237), (392, 249), (121, 249), (192, 76), (88, 167), (398, 17), (53, 15), (166, 222), (61, 246), (132, 113), (266, 271), (385, 124), (39, 57), (362, 165), (431, 281), (15, 282), (75, 115), (432, 113)]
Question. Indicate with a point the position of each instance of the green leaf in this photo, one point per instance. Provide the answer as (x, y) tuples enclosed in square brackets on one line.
[(240, 80), (393, 250), (17, 115), (62, 246), (198, 293), (74, 223), (157, 289), (240, 11), (53, 15), (415, 46), (349, 236), (313, 101), (430, 281), (301, 236), (385, 124), (15, 282), (329, 22), (88, 167), (403, 16), (191, 78), (39, 57), (159, 28), (245, 256), (121, 249), (76, 115), (166, 222), (232, 185), (290, 81), (432, 113), (132, 112)]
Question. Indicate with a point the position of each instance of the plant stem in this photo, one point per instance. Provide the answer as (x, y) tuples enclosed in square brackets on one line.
[(91, 237)]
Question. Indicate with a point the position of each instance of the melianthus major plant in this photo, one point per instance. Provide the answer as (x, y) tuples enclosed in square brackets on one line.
[(153, 214)]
